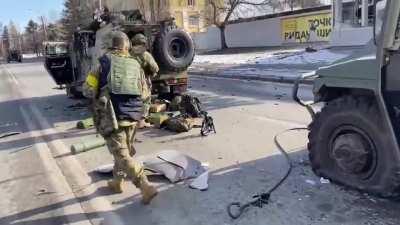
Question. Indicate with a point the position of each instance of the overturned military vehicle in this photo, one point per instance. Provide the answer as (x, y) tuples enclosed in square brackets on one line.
[(172, 48)]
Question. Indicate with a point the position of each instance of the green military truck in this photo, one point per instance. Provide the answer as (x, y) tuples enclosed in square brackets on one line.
[(172, 48), (14, 55), (354, 139)]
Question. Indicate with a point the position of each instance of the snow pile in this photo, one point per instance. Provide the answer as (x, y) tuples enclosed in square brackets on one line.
[(227, 58), (290, 57), (29, 56), (324, 56)]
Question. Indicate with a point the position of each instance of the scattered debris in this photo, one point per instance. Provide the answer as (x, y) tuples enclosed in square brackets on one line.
[(87, 146), (201, 182), (45, 192), (158, 107), (41, 191), (9, 124), (8, 134), (48, 107), (311, 49), (324, 181), (192, 167), (75, 107), (175, 166), (172, 172), (313, 183), (105, 169)]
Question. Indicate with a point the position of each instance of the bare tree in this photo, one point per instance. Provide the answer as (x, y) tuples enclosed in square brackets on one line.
[(5, 42), (302, 3), (223, 10)]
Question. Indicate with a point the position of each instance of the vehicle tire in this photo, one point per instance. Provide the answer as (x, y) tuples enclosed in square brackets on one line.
[(349, 144), (174, 50)]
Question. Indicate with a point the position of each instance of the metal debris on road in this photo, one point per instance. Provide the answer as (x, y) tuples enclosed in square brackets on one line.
[(48, 107), (43, 191), (105, 169), (9, 124), (201, 182), (175, 166), (8, 134), (324, 181), (75, 107), (311, 182), (236, 209)]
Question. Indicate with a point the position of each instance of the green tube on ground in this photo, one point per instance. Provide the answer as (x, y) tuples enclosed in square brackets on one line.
[(87, 146), (85, 124)]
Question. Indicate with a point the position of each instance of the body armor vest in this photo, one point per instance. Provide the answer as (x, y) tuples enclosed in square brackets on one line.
[(124, 76)]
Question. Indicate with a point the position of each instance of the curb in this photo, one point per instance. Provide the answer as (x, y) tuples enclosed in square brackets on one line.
[(276, 79), (80, 184)]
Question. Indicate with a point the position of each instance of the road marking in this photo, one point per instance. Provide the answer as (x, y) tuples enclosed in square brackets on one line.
[(69, 168), (57, 179), (280, 121), (13, 77)]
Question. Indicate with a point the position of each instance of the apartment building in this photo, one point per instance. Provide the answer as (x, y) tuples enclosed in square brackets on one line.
[(190, 15)]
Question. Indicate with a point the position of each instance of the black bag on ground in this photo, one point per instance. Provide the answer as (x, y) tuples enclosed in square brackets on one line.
[(191, 106)]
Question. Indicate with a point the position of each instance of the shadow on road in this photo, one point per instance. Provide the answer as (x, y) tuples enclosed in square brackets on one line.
[(301, 200)]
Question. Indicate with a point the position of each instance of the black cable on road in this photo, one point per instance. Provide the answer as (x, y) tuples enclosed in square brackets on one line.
[(236, 209)]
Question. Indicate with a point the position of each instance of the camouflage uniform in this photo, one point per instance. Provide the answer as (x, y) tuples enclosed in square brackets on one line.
[(149, 66), (117, 108)]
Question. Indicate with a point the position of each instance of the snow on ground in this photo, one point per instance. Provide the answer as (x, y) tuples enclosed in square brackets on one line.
[(29, 56), (227, 58), (324, 56), (293, 57)]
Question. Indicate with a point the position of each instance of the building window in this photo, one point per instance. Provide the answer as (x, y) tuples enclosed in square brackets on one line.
[(194, 21), (191, 2)]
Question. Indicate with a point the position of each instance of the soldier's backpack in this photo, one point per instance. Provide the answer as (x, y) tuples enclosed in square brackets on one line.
[(191, 106)]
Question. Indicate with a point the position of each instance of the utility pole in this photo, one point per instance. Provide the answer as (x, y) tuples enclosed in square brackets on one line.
[(44, 28), (152, 11)]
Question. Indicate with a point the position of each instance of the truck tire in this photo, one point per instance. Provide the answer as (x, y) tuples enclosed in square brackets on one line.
[(174, 50), (348, 143)]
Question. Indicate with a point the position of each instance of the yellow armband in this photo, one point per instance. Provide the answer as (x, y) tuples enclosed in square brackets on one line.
[(91, 85), (92, 81)]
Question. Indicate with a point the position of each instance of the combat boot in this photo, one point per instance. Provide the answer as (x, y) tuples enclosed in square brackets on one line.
[(148, 191), (116, 186), (143, 124)]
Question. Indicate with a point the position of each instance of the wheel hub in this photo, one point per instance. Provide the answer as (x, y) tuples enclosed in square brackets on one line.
[(353, 151), (177, 48)]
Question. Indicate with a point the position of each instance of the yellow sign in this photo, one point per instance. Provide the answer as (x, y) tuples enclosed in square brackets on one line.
[(311, 28)]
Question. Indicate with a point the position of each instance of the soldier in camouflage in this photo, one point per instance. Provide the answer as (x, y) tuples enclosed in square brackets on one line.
[(150, 67), (118, 107)]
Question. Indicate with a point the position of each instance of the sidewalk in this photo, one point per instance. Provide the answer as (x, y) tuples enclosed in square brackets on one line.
[(277, 65)]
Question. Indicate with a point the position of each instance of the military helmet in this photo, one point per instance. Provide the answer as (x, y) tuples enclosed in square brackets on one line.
[(139, 39), (120, 40)]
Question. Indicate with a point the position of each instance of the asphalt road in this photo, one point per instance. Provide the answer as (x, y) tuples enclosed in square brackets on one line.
[(41, 183)]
